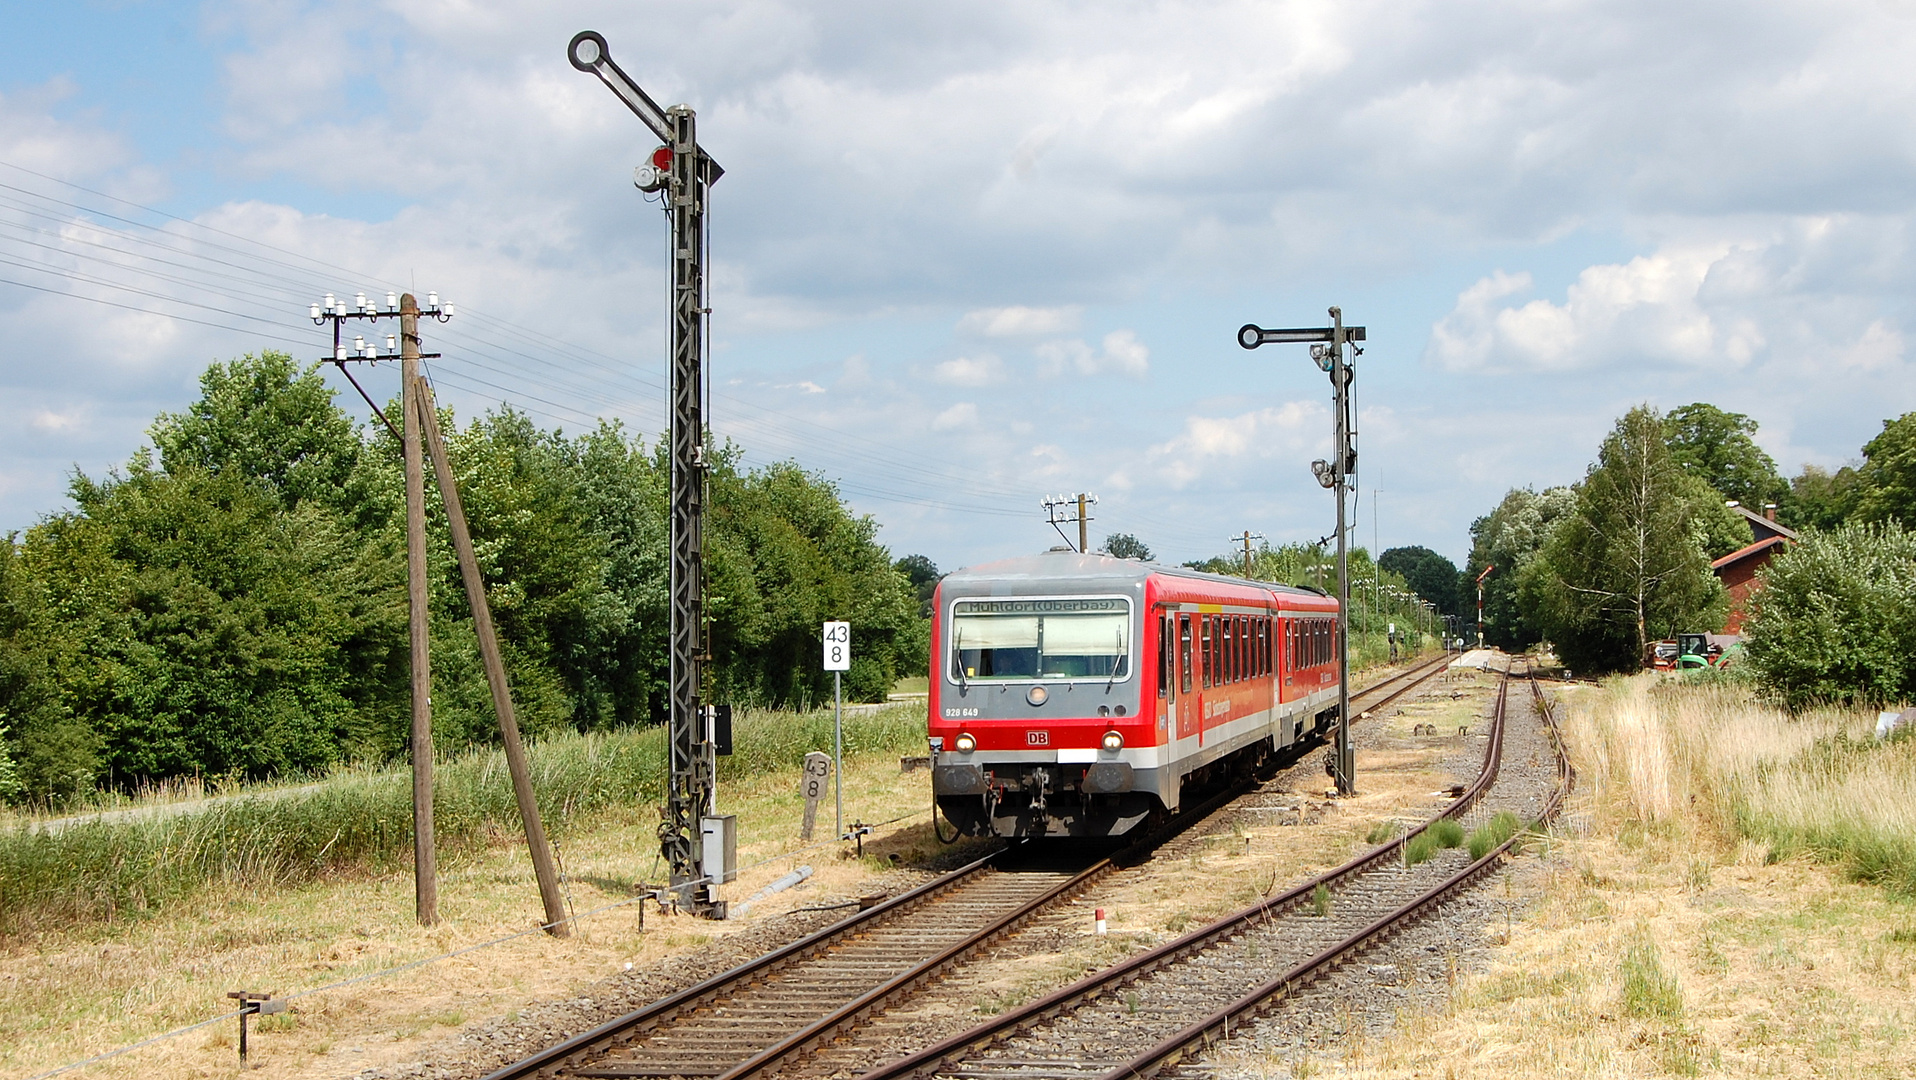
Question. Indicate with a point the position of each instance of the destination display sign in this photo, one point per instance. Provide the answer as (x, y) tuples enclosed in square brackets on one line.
[(1040, 607)]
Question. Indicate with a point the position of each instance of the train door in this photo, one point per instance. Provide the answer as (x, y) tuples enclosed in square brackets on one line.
[(1190, 701), (1167, 673)]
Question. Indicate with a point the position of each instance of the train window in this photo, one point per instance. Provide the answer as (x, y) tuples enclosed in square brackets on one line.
[(1205, 657), (1264, 646), (1086, 638), (1165, 655), (1243, 647), (1184, 654)]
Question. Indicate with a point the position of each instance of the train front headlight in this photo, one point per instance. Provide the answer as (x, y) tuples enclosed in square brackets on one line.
[(1112, 741), (965, 743)]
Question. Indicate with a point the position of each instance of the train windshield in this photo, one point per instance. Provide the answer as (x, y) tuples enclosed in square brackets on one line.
[(1087, 638)]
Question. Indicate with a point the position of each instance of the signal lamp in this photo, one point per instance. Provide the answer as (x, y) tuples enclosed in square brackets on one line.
[(1037, 695), (1112, 741), (964, 743)]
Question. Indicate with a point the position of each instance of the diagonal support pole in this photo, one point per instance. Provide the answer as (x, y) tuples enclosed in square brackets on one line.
[(543, 868)]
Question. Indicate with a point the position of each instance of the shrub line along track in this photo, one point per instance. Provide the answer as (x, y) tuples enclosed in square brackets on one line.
[(1148, 1013), (754, 1017)]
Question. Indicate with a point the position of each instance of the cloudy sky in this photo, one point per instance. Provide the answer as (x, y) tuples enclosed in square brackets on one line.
[(970, 254)]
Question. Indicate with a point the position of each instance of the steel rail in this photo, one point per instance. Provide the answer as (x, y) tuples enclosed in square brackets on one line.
[(1218, 1024), (940, 1055), (664, 1009), (861, 1008), (598, 1041)]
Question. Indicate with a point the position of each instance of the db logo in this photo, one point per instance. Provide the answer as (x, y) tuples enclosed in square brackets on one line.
[(1037, 738)]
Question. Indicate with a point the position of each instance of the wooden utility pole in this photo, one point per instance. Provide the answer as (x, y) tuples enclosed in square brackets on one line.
[(1083, 539), (1246, 539), (425, 861), (542, 864)]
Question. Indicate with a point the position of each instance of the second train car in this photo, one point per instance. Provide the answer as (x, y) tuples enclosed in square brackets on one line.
[(1083, 695)]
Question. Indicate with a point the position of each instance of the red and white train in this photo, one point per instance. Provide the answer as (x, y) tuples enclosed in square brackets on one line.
[(1081, 695)]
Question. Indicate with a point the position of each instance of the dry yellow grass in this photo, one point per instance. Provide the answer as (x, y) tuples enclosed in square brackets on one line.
[(71, 994), (1661, 940)]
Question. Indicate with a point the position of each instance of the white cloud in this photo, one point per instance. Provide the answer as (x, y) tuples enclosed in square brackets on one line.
[(962, 415), (981, 370), (1289, 429), (55, 422), (1122, 354), (1751, 296), (1004, 322), (805, 386), (1879, 347)]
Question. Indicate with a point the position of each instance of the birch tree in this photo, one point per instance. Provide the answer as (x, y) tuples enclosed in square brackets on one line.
[(1628, 565)]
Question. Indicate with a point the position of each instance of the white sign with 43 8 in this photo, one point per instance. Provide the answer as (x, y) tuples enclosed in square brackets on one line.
[(838, 646)]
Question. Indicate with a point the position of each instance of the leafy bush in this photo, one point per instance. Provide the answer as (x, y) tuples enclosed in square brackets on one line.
[(1835, 618)]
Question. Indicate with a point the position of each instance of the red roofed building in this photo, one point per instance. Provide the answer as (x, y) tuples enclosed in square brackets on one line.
[(1739, 568)]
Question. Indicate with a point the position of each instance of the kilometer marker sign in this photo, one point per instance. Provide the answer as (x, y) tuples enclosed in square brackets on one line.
[(838, 646), (838, 659)]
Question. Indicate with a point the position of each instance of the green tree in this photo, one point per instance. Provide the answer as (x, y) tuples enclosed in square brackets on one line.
[(1126, 546), (1506, 540), (268, 419), (1629, 563), (1428, 574), (784, 555), (1835, 619), (1716, 447), (1886, 482), (1820, 499), (216, 632), (924, 577)]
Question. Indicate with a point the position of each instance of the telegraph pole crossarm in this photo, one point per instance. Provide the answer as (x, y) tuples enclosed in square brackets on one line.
[(1327, 350), (403, 347), (683, 172)]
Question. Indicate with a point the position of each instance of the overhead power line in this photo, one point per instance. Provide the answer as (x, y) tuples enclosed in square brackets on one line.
[(258, 274)]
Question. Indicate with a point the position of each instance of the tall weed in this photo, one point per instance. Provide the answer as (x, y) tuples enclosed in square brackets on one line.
[(1714, 759), (361, 819)]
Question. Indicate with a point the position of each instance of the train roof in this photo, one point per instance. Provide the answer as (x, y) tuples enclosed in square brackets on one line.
[(1095, 571)]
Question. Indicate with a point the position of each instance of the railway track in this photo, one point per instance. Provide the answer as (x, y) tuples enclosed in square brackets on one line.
[(1160, 1009), (762, 1014)]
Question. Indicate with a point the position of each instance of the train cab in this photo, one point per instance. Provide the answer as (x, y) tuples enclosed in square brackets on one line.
[(1079, 695)]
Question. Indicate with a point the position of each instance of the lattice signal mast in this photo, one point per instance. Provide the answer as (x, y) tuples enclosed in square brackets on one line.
[(683, 172)]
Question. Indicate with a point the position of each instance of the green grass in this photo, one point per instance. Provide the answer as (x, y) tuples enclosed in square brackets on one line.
[(1382, 833), (1421, 847), (1447, 832), (1649, 992), (1487, 837), (1321, 901), (361, 819)]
